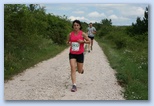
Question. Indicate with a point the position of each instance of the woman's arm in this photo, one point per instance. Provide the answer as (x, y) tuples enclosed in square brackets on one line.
[(68, 40), (87, 39)]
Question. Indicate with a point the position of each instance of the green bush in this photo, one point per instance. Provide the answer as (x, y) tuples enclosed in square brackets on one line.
[(31, 35), (120, 43), (58, 29), (59, 33), (104, 30)]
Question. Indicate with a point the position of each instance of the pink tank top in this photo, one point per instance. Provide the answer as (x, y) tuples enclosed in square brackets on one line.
[(76, 48)]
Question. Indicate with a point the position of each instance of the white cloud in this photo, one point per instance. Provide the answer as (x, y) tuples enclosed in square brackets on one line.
[(65, 8), (96, 14), (110, 12), (113, 17), (72, 18), (78, 12), (93, 21), (128, 10), (120, 18), (133, 11), (139, 11)]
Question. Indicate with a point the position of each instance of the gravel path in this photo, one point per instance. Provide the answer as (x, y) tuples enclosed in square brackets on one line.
[(50, 80)]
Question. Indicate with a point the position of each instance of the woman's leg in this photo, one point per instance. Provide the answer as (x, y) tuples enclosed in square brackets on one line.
[(73, 70), (80, 67), (80, 61)]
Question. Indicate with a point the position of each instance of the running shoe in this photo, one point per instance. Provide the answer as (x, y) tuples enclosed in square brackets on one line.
[(74, 88)]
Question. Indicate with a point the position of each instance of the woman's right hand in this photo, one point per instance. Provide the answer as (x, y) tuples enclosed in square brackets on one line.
[(68, 43)]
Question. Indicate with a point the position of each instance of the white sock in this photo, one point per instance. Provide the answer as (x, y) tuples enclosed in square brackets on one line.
[(74, 84)]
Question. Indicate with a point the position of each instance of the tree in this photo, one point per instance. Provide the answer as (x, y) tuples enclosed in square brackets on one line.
[(140, 27), (145, 19), (105, 27), (106, 22)]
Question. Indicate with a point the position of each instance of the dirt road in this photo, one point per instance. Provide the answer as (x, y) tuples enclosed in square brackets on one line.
[(50, 80)]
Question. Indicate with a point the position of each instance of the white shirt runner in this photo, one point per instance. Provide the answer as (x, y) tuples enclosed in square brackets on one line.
[(75, 46)]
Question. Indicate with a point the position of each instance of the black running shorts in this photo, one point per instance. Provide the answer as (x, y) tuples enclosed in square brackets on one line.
[(79, 57), (91, 37)]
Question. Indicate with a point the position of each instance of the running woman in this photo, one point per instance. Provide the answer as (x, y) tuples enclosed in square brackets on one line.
[(91, 33), (76, 40)]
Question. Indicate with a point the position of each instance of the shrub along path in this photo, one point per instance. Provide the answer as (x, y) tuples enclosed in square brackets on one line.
[(50, 80)]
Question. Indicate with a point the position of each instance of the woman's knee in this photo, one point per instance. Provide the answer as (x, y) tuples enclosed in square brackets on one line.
[(80, 69)]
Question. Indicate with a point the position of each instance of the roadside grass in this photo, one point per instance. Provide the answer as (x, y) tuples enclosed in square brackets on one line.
[(21, 60), (131, 68)]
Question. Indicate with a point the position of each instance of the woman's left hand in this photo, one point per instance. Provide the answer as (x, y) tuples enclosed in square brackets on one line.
[(80, 41)]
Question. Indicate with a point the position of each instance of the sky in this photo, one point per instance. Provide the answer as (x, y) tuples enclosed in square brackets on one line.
[(120, 14)]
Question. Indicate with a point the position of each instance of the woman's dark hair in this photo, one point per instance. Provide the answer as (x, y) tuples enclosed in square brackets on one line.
[(77, 21)]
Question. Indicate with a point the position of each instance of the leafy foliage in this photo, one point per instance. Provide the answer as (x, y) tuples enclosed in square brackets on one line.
[(140, 27), (106, 22), (27, 31), (105, 27), (58, 29)]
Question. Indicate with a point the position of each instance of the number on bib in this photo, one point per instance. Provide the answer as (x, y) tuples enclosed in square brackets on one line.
[(75, 46)]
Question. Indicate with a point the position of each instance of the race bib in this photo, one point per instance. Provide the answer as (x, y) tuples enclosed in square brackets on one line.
[(75, 46)]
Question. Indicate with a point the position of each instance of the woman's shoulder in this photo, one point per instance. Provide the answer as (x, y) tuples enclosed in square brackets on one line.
[(84, 34)]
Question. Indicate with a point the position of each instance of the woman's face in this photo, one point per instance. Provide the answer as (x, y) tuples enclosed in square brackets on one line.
[(76, 26)]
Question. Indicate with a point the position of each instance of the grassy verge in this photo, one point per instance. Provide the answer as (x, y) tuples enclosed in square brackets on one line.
[(18, 61), (131, 67)]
